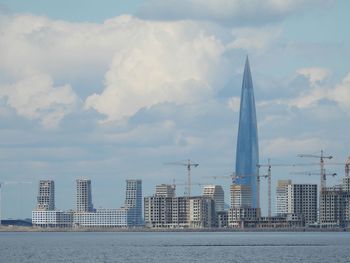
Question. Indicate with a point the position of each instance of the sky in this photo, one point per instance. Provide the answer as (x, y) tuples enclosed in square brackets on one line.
[(111, 90)]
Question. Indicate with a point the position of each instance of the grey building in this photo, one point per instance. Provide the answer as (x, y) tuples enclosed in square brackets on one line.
[(217, 194), (133, 201), (46, 195), (83, 196), (302, 201)]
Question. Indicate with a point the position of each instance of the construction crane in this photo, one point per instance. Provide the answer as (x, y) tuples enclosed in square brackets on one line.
[(234, 177), (269, 179), (322, 157), (189, 164), (1, 186)]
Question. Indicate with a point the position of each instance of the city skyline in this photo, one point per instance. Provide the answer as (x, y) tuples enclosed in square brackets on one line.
[(69, 108)]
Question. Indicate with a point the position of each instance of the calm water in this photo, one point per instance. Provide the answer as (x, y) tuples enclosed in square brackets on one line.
[(174, 247)]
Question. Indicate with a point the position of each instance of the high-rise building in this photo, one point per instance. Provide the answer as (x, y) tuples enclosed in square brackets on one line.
[(241, 196), (302, 201), (46, 195), (247, 152), (217, 194), (84, 197), (166, 190), (133, 201), (281, 197)]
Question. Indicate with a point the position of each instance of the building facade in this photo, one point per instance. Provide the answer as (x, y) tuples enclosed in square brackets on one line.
[(247, 152), (179, 212), (83, 196), (46, 195), (166, 190), (241, 195), (133, 201), (302, 201), (52, 218), (216, 193), (281, 197), (103, 218)]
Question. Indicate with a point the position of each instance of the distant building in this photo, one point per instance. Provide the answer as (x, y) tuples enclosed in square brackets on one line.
[(133, 201), (247, 151), (241, 195), (201, 212), (241, 217), (103, 218), (302, 201), (163, 211), (83, 196), (46, 195), (217, 194), (45, 214), (281, 197), (335, 205), (52, 218), (165, 190)]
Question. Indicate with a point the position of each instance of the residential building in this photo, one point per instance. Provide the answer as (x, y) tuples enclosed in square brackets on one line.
[(217, 194), (241, 196), (166, 190), (281, 197), (133, 201), (83, 196), (52, 218), (103, 218), (46, 195), (302, 201)]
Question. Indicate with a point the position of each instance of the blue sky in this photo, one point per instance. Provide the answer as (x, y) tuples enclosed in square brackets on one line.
[(111, 90)]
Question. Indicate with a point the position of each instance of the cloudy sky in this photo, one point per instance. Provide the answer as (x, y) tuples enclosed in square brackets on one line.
[(110, 90)]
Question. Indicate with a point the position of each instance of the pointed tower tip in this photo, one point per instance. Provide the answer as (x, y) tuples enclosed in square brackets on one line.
[(247, 60)]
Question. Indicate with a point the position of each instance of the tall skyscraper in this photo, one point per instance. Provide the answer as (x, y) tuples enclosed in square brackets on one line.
[(247, 152), (133, 201), (217, 194), (46, 195), (84, 197)]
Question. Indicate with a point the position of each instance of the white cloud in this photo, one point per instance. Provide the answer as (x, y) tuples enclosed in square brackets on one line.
[(315, 75), (250, 38), (341, 93), (227, 11), (234, 103), (36, 97), (279, 147), (165, 63)]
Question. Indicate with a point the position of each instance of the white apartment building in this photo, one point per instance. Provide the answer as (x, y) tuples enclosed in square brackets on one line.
[(102, 218), (44, 218), (281, 197)]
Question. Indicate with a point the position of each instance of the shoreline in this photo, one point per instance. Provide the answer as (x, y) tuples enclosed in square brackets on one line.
[(166, 230)]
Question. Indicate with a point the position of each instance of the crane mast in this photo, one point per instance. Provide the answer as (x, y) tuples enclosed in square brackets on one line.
[(189, 164)]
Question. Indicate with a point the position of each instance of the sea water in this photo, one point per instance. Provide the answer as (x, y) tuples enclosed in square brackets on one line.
[(171, 247)]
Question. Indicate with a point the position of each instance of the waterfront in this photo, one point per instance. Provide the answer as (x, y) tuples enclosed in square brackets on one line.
[(174, 247)]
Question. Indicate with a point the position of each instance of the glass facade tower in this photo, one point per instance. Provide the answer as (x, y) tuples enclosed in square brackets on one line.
[(247, 152)]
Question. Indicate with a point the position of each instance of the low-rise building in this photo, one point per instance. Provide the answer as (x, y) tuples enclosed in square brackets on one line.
[(54, 218)]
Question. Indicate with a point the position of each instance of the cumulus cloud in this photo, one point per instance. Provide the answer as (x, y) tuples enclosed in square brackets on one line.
[(164, 63), (315, 75), (226, 11), (341, 93), (35, 97)]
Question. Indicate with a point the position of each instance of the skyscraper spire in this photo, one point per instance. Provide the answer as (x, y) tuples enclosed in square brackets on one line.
[(247, 152)]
